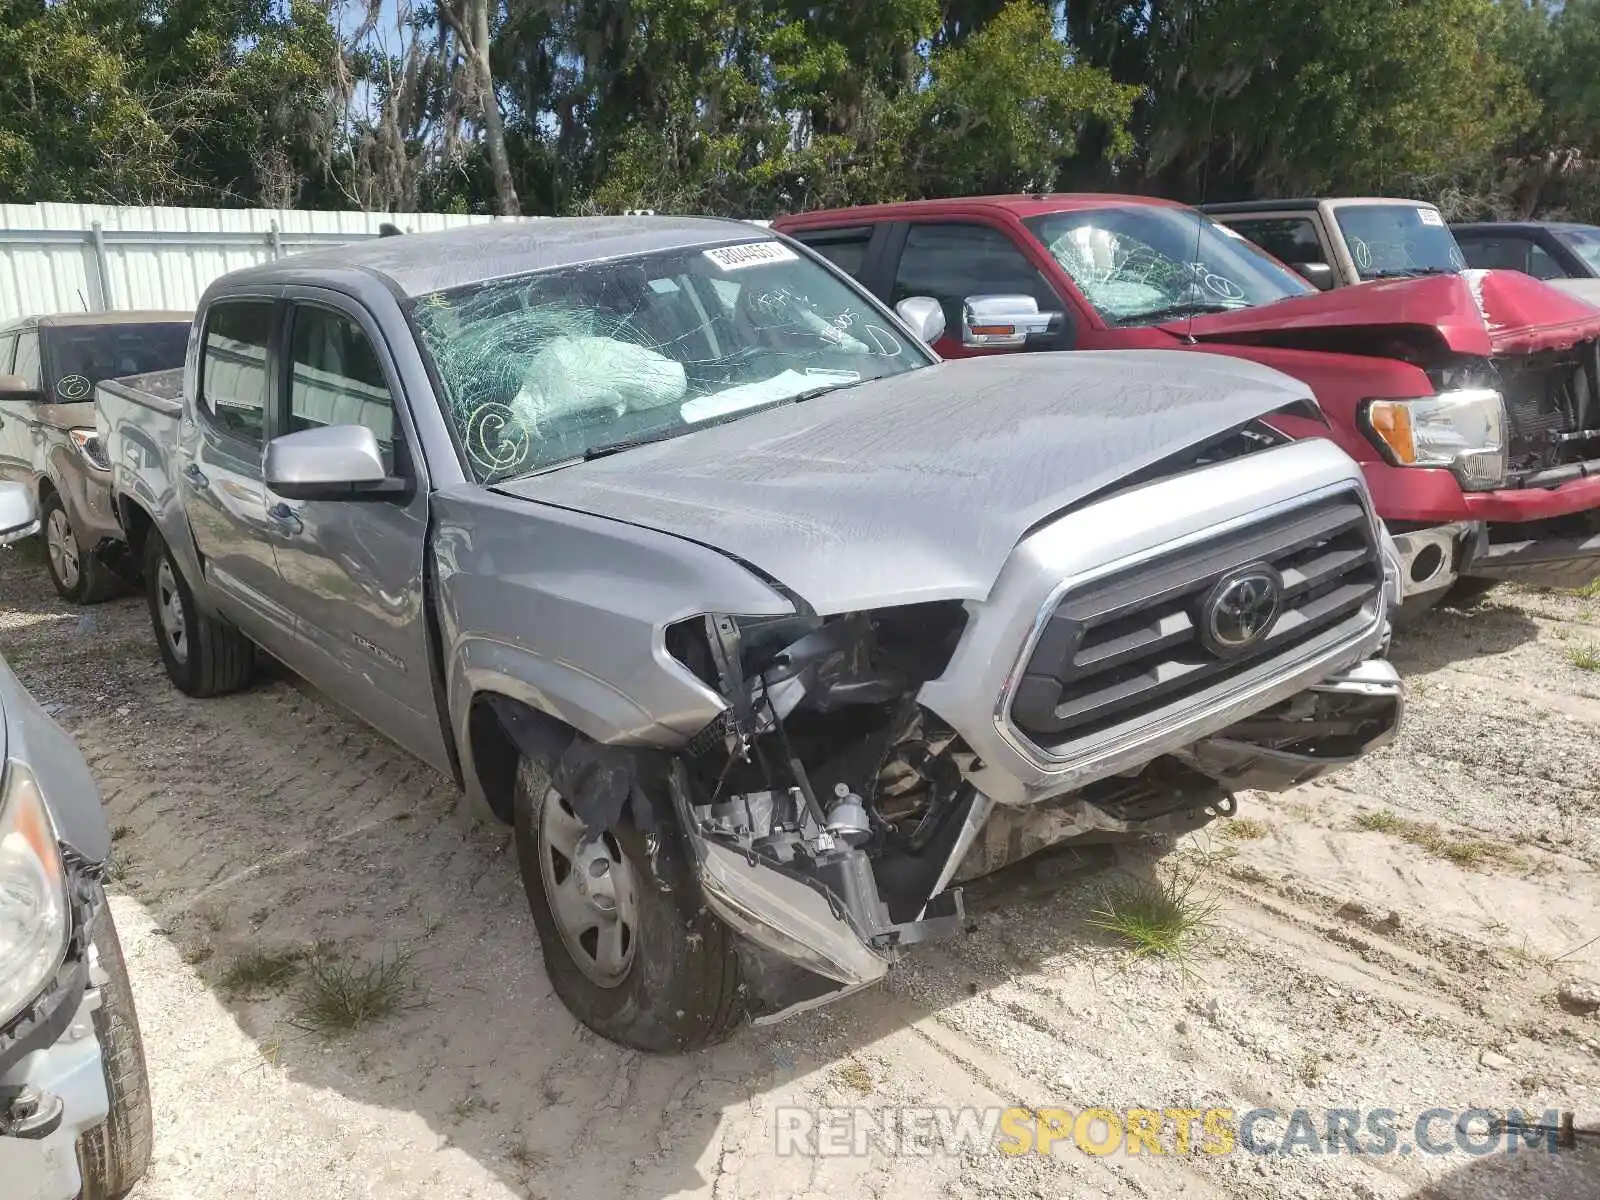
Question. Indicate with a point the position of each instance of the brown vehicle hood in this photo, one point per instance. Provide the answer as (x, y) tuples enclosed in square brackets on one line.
[(1484, 313), (78, 415)]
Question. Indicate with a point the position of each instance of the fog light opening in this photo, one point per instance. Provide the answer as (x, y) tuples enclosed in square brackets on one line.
[(1428, 563)]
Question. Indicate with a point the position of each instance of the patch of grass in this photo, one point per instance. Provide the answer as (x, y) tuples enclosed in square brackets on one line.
[(529, 1159), (1243, 829), (854, 1076), (1380, 821), (1163, 918), (1589, 591), (1464, 852), (120, 831), (1585, 658), (197, 954), (465, 1107), (1309, 1069), (339, 997), (261, 970)]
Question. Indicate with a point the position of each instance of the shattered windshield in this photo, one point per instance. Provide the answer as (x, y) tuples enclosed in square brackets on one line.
[(1141, 264), (1390, 241), (546, 369)]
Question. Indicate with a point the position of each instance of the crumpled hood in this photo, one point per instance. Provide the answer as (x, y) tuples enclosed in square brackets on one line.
[(916, 487), (1476, 312)]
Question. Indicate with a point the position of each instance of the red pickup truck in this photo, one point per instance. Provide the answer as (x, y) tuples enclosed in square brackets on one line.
[(1472, 401)]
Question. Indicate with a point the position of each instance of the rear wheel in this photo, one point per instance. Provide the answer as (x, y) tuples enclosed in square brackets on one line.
[(204, 655), (78, 575), (114, 1156), (629, 948)]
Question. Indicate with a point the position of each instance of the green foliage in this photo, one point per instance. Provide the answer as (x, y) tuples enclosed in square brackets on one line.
[(756, 107)]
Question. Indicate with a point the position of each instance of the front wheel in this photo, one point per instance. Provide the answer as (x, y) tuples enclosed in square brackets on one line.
[(113, 1156), (78, 575), (629, 948), (204, 655)]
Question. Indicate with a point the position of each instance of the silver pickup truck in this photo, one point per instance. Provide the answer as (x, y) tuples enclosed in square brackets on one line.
[(759, 624)]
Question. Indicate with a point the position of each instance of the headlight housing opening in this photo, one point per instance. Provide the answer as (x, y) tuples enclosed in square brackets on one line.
[(1463, 431), (88, 443), (35, 919)]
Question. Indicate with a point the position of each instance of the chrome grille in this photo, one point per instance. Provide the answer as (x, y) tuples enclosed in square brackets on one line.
[(1120, 648)]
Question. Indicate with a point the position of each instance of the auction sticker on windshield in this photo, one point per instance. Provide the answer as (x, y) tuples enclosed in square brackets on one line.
[(1430, 216), (751, 254)]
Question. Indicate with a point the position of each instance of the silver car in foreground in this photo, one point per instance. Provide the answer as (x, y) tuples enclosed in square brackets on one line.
[(74, 1100), (759, 624)]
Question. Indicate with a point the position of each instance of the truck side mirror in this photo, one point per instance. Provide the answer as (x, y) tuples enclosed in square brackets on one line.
[(1002, 321), (924, 314), (19, 517), (1319, 275), (335, 462), (15, 387)]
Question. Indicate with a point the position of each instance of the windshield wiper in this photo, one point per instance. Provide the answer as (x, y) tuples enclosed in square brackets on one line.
[(608, 448), (1410, 272), (1157, 315)]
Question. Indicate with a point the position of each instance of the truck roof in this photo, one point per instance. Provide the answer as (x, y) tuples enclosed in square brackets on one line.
[(1515, 226), (1303, 204), (421, 263), (1022, 205), (133, 316)]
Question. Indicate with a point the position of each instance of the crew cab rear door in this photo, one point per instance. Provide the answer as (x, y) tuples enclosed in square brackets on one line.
[(351, 570), (218, 464)]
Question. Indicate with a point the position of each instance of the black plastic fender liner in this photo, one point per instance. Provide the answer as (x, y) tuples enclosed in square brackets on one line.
[(599, 781)]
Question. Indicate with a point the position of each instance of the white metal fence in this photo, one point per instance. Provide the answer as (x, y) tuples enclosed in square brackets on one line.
[(92, 258)]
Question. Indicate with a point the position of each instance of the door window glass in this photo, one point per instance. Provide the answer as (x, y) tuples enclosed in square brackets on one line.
[(1290, 240), (844, 248), (336, 378), (1541, 265), (233, 367), (952, 262), (1496, 253), (27, 361)]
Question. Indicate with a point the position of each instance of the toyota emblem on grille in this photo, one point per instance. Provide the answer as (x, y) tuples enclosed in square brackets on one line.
[(1239, 611)]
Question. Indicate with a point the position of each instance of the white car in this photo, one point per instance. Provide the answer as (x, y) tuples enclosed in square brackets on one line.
[(74, 1096)]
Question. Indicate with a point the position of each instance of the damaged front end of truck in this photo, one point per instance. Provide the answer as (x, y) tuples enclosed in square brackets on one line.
[(856, 774)]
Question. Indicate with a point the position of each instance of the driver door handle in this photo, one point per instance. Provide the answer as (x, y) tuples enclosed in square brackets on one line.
[(286, 517)]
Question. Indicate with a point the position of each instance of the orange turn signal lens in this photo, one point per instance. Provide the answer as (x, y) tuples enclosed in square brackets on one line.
[(995, 330), (1391, 421)]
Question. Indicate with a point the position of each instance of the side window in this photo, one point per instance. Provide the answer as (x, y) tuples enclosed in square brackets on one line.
[(8, 348), (1496, 253), (1541, 265), (336, 378), (27, 360), (844, 248), (233, 366), (952, 262), (1288, 239)]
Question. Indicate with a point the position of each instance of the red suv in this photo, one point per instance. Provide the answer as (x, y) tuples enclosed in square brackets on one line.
[(1471, 400)]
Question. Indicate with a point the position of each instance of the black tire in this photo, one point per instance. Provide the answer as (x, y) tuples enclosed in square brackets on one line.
[(114, 1156), (681, 988), (208, 657), (81, 578)]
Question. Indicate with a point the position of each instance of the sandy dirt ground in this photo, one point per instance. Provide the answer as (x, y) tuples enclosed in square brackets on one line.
[(1348, 967)]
